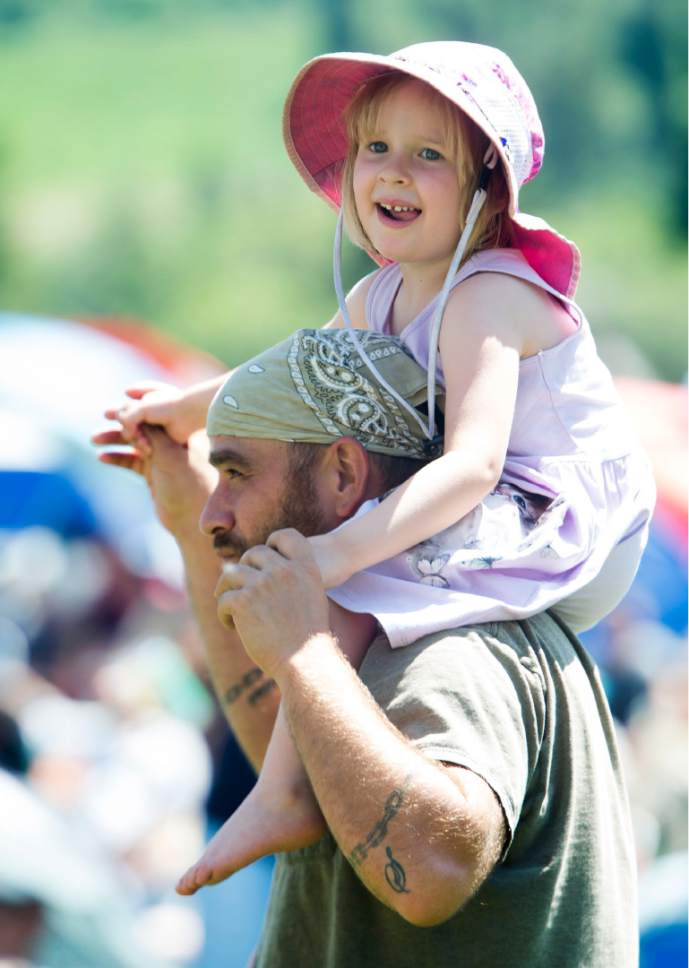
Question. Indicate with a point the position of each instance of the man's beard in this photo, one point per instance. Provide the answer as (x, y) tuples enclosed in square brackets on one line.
[(298, 508)]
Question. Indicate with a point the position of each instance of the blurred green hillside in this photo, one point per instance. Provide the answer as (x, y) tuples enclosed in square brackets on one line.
[(142, 172)]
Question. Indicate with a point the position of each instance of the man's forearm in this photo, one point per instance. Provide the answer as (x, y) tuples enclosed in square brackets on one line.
[(181, 480), (249, 698), (414, 835)]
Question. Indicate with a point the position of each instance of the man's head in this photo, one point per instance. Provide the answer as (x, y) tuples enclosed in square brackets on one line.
[(305, 432), (266, 485)]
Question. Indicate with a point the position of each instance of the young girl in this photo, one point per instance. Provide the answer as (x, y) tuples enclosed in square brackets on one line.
[(540, 497)]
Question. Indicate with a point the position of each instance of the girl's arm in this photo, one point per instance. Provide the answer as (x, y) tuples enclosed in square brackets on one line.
[(181, 412), (356, 305), (488, 324)]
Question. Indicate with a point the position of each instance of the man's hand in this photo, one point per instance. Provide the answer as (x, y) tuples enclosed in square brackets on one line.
[(179, 477), (276, 599)]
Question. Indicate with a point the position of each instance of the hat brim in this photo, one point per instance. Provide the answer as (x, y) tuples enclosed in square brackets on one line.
[(316, 141), (313, 123)]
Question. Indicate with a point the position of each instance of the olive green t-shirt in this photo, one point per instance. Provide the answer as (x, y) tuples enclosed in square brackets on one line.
[(521, 705)]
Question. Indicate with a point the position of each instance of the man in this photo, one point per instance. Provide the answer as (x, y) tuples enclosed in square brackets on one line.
[(470, 782)]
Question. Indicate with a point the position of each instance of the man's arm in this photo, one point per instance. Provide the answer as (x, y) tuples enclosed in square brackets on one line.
[(248, 697), (422, 837), (180, 479)]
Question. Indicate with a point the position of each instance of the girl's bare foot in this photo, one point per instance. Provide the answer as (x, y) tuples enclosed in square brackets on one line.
[(267, 822)]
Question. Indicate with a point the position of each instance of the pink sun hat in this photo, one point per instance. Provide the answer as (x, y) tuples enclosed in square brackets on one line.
[(482, 81)]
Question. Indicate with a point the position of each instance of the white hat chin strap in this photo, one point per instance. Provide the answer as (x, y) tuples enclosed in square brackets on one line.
[(427, 428), (337, 276), (434, 335)]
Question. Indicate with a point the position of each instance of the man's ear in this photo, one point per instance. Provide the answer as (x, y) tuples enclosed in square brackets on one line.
[(345, 473)]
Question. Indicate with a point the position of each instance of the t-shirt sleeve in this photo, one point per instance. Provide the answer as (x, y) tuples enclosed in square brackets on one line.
[(473, 697)]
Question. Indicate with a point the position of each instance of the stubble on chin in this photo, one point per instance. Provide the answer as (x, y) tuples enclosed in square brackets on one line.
[(297, 508)]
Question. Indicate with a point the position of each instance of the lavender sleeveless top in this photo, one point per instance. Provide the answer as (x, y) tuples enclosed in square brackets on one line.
[(574, 486)]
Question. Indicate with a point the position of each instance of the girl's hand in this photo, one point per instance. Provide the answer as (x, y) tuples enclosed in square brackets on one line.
[(330, 558), (158, 404)]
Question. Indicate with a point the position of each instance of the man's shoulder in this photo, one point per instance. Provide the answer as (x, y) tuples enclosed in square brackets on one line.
[(525, 646)]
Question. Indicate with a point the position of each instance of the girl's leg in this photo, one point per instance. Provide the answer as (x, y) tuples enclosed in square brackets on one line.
[(281, 812)]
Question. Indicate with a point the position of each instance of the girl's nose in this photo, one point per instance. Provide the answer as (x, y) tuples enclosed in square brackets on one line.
[(394, 171)]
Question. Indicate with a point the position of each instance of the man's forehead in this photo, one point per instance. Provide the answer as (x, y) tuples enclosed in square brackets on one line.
[(246, 450)]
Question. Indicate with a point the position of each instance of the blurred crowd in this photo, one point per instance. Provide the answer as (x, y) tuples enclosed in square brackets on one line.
[(116, 765)]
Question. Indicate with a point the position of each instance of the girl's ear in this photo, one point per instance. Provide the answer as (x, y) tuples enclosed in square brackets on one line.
[(346, 473)]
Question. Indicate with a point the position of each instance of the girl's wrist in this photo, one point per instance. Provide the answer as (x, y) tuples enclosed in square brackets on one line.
[(332, 559), (198, 399)]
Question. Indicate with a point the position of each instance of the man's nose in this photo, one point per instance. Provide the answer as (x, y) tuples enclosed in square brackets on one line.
[(216, 515)]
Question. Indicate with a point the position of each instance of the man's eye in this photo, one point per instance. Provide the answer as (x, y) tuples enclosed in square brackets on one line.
[(377, 147), (233, 473), (430, 154)]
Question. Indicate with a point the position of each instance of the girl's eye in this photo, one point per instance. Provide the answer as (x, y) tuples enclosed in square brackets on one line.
[(430, 154), (377, 147), (233, 473)]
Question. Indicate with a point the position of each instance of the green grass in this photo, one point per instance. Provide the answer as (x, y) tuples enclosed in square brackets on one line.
[(634, 276), (130, 100), (142, 173)]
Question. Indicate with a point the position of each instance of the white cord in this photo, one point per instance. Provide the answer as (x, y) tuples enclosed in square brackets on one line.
[(429, 428), (337, 275), (473, 213)]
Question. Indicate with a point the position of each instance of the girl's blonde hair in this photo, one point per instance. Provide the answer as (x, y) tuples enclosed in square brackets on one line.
[(468, 144)]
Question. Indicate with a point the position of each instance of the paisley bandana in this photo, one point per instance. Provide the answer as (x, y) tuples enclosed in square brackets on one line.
[(316, 387)]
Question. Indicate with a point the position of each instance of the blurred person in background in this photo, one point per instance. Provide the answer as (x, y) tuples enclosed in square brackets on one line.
[(96, 815)]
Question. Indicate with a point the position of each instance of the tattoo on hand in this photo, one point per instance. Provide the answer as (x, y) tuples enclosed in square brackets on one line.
[(395, 874), (379, 831), (246, 682)]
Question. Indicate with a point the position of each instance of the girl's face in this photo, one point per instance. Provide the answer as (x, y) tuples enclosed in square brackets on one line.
[(405, 180)]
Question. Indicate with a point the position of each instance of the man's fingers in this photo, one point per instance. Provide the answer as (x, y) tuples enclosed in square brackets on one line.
[(235, 576), (106, 438), (117, 438), (232, 578), (261, 557), (129, 462), (233, 582), (290, 543), (226, 605), (158, 441)]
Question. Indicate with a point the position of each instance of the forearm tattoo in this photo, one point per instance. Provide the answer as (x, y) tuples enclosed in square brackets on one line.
[(262, 690), (395, 874), (379, 832), (248, 680)]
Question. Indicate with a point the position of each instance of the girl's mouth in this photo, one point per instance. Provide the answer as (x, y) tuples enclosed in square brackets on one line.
[(397, 213)]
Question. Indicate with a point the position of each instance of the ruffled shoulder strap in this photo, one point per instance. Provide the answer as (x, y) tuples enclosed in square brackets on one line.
[(509, 262)]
